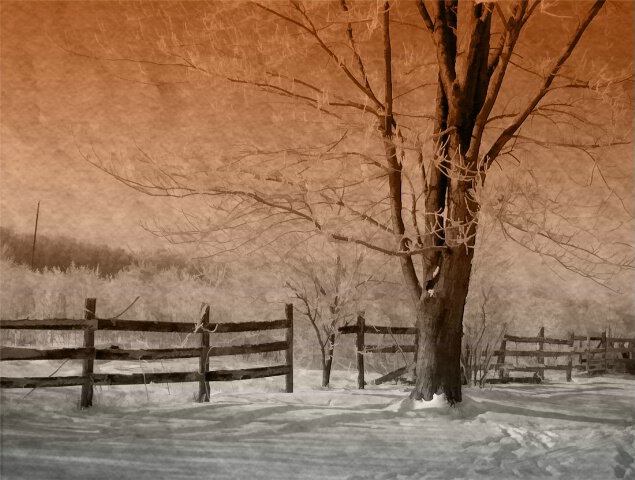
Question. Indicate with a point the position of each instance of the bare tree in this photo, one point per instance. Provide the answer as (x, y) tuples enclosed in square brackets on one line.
[(384, 120), (481, 338), (328, 283)]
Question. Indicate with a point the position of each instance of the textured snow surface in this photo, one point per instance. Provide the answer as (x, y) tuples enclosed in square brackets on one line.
[(580, 430)]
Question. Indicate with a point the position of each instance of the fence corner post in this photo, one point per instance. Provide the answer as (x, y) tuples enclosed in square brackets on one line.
[(570, 360), (86, 400), (541, 347), (288, 310), (203, 384), (588, 353), (605, 353), (361, 324)]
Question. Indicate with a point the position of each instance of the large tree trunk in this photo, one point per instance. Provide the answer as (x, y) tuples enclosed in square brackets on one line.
[(440, 322)]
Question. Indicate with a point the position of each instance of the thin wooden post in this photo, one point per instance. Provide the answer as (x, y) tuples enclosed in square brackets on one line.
[(467, 365), (86, 400), (203, 384), (570, 361), (541, 347), (501, 358), (588, 353), (604, 354), (361, 325), (288, 309)]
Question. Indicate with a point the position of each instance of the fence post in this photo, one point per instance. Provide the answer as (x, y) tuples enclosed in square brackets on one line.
[(361, 325), (467, 366), (288, 310), (203, 366), (588, 354), (604, 354), (86, 400), (501, 357), (570, 361), (541, 347)]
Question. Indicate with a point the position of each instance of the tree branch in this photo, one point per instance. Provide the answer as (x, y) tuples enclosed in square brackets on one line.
[(507, 134)]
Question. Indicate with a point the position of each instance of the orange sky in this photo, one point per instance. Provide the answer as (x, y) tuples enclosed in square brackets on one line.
[(48, 93)]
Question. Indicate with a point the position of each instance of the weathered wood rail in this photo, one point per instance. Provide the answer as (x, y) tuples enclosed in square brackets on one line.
[(360, 329), (601, 358), (90, 325), (604, 357)]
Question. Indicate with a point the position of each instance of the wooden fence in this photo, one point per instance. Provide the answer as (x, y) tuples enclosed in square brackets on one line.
[(603, 357), (592, 359), (360, 329), (90, 325)]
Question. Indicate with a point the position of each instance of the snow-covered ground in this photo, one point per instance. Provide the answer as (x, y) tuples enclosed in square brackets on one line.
[(251, 429)]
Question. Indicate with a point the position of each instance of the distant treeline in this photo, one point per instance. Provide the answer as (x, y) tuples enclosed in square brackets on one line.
[(60, 252)]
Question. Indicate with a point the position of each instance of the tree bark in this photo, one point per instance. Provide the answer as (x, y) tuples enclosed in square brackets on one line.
[(440, 323), (327, 362), (447, 276)]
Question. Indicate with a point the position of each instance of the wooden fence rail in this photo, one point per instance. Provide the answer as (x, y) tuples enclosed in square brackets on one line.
[(360, 329), (600, 358), (89, 354), (114, 353), (592, 359), (139, 325)]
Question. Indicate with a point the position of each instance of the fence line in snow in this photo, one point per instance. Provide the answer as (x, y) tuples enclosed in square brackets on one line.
[(360, 329), (591, 359), (600, 358), (90, 325)]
